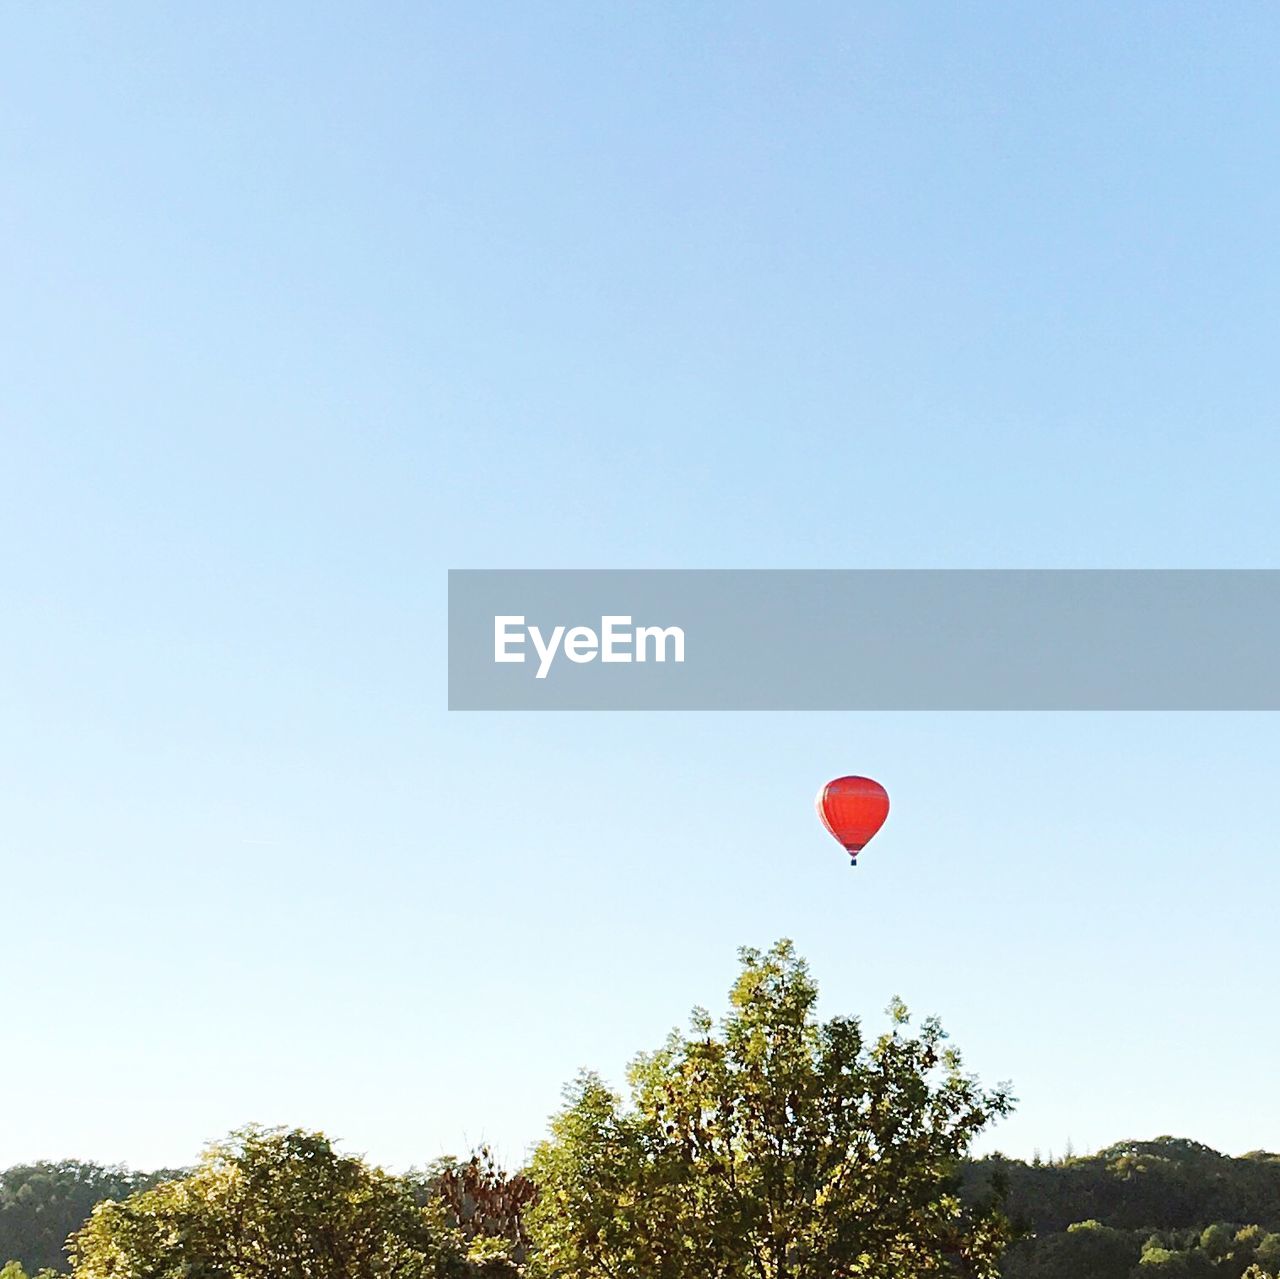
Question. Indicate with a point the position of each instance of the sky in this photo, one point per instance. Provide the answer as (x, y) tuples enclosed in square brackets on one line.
[(305, 304)]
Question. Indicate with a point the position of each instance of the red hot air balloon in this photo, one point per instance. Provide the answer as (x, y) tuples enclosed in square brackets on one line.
[(853, 809)]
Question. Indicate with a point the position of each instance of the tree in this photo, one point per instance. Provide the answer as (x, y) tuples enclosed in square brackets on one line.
[(1086, 1248), (266, 1204), (1159, 1258), (14, 1270), (487, 1207), (775, 1146), (1268, 1253), (1217, 1241)]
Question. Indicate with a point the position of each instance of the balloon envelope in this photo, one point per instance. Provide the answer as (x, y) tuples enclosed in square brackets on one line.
[(853, 809)]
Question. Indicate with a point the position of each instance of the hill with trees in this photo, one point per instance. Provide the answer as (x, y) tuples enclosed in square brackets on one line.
[(1141, 1208)]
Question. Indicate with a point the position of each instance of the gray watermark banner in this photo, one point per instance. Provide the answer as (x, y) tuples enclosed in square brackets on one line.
[(864, 639)]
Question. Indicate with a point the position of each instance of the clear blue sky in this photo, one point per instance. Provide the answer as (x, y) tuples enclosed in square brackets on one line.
[(304, 304)]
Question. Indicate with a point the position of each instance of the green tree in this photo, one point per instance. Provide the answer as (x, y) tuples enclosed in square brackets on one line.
[(1159, 1259), (774, 1146), (1087, 1248), (1268, 1253), (1217, 1240), (268, 1204), (14, 1270), (1247, 1240)]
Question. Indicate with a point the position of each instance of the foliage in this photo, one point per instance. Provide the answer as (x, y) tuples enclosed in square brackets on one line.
[(1220, 1251), (487, 1207), (266, 1204), (14, 1270), (1142, 1210), (1087, 1248), (769, 1146), (42, 1203), (1166, 1184), (775, 1147)]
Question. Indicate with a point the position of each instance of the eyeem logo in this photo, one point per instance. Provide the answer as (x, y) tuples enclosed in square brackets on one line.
[(615, 641)]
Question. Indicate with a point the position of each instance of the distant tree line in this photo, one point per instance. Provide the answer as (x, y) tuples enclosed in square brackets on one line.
[(767, 1145), (1141, 1210)]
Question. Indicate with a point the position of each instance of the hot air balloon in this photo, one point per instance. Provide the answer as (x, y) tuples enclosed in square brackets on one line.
[(853, 809)]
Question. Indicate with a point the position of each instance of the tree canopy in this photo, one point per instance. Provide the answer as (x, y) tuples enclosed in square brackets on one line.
[(267, 1204), (774, 1146), (1140, 1210)]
